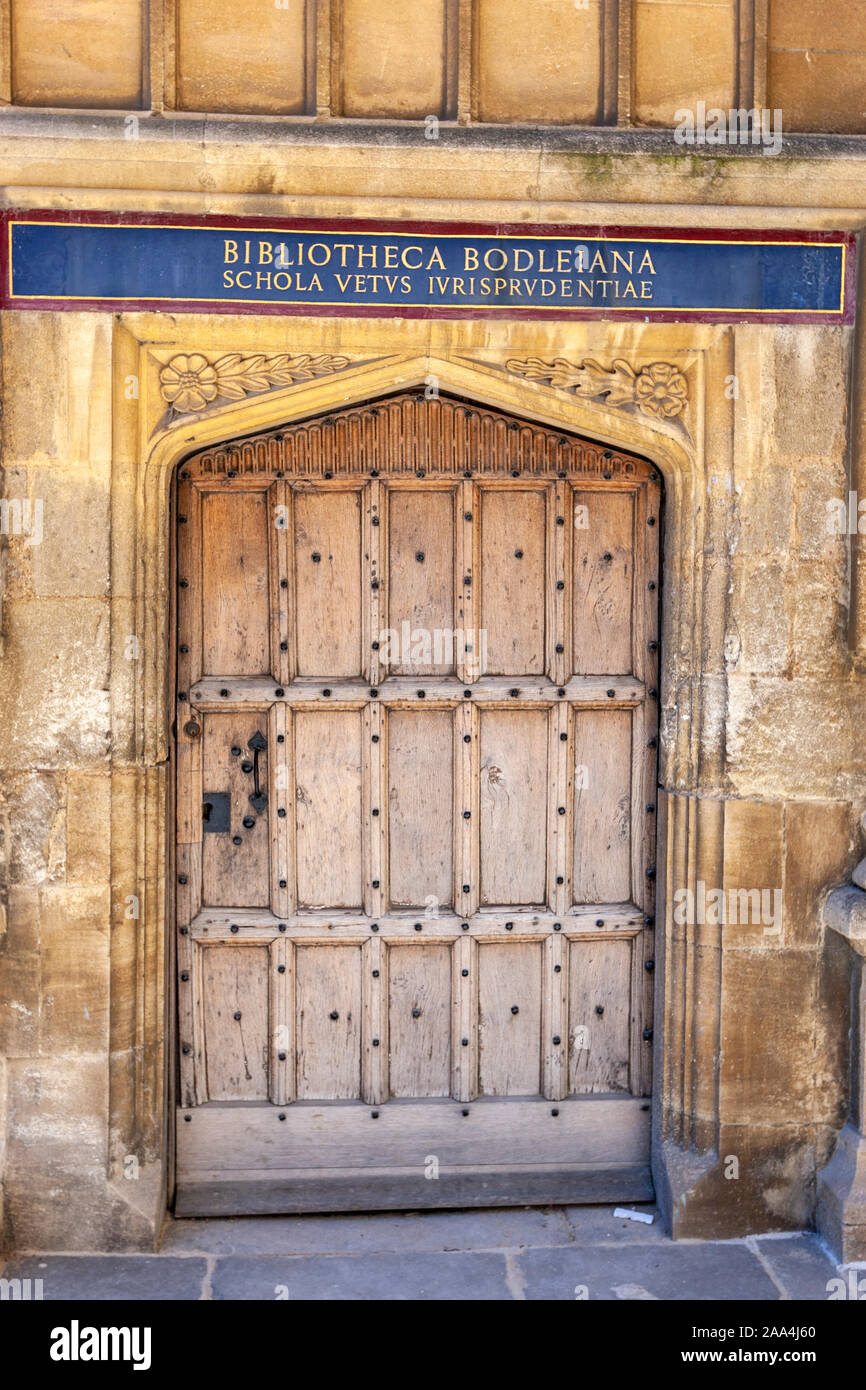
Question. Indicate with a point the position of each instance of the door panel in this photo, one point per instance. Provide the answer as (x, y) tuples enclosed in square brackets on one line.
[(421, 808), (328, 834), (603, 570), (328, 583), (602, 806), (235, 599), (416, 725), (329, 1022), (513, 580), (509, 987), (513, 806), (421, 580), (235, 1007), (235, 864), (419, 1009)]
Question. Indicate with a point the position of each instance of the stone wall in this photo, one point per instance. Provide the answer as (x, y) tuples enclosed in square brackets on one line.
[(762, 759)]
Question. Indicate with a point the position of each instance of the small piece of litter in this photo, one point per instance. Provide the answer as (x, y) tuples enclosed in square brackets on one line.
[(643, 1216)]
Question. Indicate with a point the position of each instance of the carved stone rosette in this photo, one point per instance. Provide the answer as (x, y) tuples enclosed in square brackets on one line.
[(189, 383), (658, 390)]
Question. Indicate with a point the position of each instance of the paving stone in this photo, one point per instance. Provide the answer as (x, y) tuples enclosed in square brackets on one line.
[(672, 1271), (598, 1225), (801, 1265), (392, 1277), (494, 1229), (107, 1277)]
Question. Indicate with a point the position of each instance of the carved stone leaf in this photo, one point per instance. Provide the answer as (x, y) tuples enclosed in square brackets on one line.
[(658, 390), (191, 383)]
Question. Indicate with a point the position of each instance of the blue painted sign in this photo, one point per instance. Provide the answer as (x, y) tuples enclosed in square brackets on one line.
[(80, 261)]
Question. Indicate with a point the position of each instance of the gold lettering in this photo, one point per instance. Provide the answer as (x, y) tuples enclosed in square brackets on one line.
[(265, 246), (646, 261), (470, 258), (367, 251), (412, 265), (319, 246), (390, 254), (646, 285), (231, 252), (626, 264)]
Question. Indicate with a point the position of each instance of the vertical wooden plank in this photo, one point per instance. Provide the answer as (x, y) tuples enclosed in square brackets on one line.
[(190, 584), (280, 799), (514, 788), (467, 531), (509, 993), (374, 798), (558, 628), (280, 529), (600, 1009), (645, 794), (512, 603), (187, 898), (188, 752), (419, 1020), (467, 850), (281, 1021), (235, 997), (328, 808), (554, 1017), (198, 1024), (329, 1003), (328, 583), (464, 1023), (374, 1031), (602, 806), (420, 806), (560, 828), (374, 579)]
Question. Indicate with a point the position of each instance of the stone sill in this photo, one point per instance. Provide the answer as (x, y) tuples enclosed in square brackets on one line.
[(845, 913), (29, 122)]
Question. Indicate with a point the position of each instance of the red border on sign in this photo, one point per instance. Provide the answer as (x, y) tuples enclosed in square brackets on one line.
[(358, 225)]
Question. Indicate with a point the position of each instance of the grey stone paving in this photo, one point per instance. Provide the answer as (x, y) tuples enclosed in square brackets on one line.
[(553, 1254)]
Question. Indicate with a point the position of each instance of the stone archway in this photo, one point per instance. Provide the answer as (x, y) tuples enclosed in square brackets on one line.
[(692, 701)]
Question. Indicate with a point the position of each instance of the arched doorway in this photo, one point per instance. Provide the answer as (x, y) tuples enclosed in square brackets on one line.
[(416, 736)]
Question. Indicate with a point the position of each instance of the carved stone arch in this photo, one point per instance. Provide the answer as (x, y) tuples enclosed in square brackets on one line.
[(140, 1074)]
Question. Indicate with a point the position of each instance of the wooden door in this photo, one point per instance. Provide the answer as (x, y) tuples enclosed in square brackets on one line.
[(416, 732)]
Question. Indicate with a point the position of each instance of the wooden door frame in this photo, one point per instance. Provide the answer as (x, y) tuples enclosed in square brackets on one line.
[(141, 1100)]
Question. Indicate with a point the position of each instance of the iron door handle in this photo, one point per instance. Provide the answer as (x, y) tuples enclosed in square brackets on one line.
[(258, 743)]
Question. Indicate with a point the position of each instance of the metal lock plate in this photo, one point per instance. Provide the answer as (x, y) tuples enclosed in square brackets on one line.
[(216, 813)]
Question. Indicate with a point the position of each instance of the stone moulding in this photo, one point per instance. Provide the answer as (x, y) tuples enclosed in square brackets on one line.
[(658, 390), (189, 382)]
